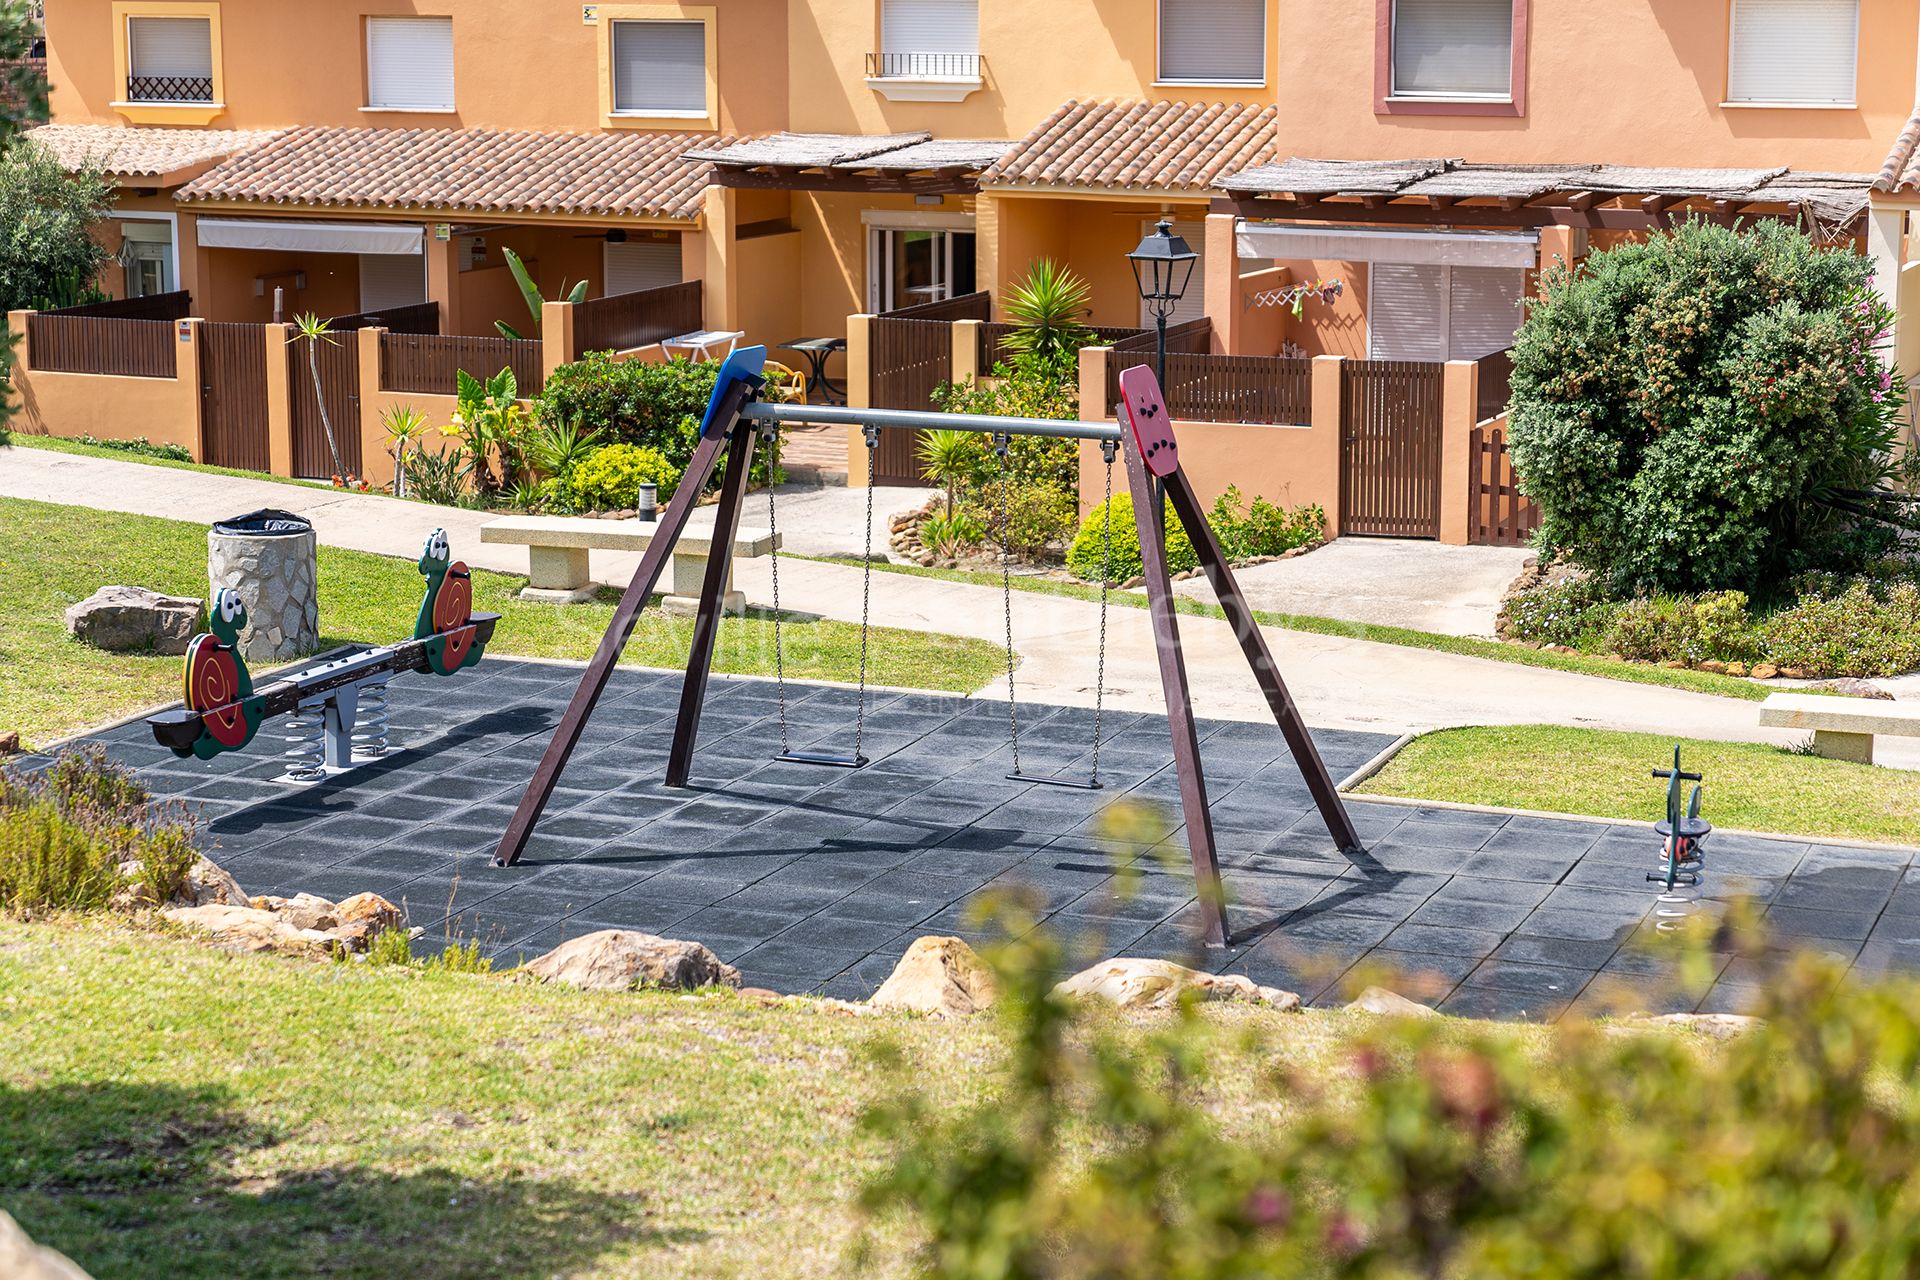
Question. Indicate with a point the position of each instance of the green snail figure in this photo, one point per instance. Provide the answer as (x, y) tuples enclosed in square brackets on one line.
[(446, 612), (218, 686)]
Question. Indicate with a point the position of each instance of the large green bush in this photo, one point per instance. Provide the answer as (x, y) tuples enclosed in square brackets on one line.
[(631, 401), (609, 478), (1087, 554), (1681, 407)]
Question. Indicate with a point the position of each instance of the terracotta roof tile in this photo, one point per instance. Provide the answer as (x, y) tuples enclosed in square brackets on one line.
[(126, 151), (1139, 146), (1901, 172), (633, 174)]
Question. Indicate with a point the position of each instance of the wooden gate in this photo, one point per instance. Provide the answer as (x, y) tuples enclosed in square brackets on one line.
[(1390, 448), (339, 362), (909, 358), (1498, 514), (233, 394)]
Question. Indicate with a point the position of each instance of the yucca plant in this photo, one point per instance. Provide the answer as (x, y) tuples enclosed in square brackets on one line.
[(312, 330), (1046, 310), (406, 427), (947, 458), (530, 291)]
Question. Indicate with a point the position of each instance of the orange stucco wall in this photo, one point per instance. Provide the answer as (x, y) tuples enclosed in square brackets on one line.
[(164, 410), (518, 64)]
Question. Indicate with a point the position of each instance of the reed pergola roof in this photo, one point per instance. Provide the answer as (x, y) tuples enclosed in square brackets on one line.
[(890, 162)]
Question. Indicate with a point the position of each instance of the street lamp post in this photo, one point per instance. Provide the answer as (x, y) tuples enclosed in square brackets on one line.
[(1162, 269)]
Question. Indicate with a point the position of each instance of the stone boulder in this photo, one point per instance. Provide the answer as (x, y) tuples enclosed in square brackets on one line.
[(1389, 1004), (134, 619), (941, 977), (360, 918), (301, 925), (621, 960), (1850, 687), (207, 884), (253, 929), (22, 1259), (1159, 984)]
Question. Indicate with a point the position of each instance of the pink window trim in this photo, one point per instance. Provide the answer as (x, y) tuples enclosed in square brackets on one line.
[(1385, 104)]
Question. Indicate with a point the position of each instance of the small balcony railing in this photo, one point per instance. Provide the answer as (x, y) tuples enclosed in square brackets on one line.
[(924, 66), (169, 88)]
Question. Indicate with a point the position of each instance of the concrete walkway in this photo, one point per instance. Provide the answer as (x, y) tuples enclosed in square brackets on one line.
[(1339, 682)]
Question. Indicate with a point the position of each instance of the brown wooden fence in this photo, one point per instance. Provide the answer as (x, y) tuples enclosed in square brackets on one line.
[(177, 305), (1390, 418), (1496, 379), (908, 360), (233, 395), (1210, 388), (419, 317), (628, 320), (430, 363), (339, 364), (1498, 514), (100, 344)]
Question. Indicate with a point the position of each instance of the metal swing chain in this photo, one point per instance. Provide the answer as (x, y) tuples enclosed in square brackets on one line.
[(1001, 447), (1107, 451), (772, 435), (872, 434)]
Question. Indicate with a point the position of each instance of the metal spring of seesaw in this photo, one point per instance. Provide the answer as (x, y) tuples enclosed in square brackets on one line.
[(306, 739), (1675, 904), (370, 739)]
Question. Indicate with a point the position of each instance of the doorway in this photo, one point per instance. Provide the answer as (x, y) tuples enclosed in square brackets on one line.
[(921, 262)]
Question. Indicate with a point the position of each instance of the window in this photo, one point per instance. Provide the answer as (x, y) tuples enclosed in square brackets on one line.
[(660, 68), (390, 280), (410, 64), (147, 256), (633, 265), (1453, 49), (1418, 312), (1793, 52), (921, 38), (1213, 41), (169, 59)]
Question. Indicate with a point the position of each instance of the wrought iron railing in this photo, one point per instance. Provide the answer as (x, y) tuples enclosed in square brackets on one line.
[(169, 88), (924, 66)]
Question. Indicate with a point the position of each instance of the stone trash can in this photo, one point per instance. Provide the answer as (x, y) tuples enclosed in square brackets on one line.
[(269, 557)]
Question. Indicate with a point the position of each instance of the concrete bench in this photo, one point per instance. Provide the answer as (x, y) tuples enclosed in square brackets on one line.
[(557, 549), (1843, 728)]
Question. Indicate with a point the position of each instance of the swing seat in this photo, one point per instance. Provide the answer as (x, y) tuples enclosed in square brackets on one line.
[(831, 759), (1077, 784)]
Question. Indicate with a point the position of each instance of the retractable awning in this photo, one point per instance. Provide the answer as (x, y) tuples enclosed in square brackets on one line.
[(310, 237), (1427, 248)]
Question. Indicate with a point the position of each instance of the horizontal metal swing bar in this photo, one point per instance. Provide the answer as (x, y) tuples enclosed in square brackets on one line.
[(927, 420)]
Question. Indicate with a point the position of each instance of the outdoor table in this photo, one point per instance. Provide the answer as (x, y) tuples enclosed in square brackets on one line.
[(702, 343), (816, 350)]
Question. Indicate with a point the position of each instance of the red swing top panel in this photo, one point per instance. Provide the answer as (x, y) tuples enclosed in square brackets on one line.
[(1146, 413)]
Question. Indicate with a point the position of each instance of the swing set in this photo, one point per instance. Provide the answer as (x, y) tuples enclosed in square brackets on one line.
[(733, 417)]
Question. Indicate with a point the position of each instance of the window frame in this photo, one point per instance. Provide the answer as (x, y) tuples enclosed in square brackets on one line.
[(367, 24), (165, 113), (1162, 80), (1385, 102), (614, 118), (1729, 102)]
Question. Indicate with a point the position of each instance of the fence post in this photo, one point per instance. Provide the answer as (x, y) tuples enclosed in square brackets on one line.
[(1222, 283), (1459, 407), (376, 464), (859, 395), (1328, 423), (186, 374), (556, 337), (966, 350), (279, 400), (1093, 408)]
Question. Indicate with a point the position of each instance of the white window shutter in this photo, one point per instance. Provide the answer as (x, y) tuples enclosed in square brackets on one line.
[(660, 67), (1794, 51), (1193, 303), (929, 37), (170, 47), (1483, 309), (641, 264), (410, 64), (1406, 312), (1453, 48), (1213, 41), (390, 280)]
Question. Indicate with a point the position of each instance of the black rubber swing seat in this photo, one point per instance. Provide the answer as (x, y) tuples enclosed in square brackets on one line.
[(829, 759), (1076, 784)]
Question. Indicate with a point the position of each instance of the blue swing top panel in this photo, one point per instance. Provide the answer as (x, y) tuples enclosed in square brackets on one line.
[(744, 364)]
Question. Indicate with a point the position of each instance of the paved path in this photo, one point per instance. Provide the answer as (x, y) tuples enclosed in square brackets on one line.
[(1338, 681)]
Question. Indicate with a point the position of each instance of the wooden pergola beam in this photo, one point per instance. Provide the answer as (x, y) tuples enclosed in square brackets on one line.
[(1424, 213), (926, 182)]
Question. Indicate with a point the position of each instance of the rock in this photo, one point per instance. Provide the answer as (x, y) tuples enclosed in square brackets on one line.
[(9, 744), (762, 996), (1715, 1026), (1850, 687), (620, 960), (1389, 1004), (1764, 671), (302, 911), (363, 917), (1134, 583), (938, 976), (209, 884), (1675, 664), (251, 929), (134, 619), (1736, 668), (22, 1259), (1158, 984), (1795, 673), (1714, 665)]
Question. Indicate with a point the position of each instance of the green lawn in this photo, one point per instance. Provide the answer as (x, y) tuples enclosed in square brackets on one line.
[(169, 1110), (52, 685), (1406, 637), (1607, 775)]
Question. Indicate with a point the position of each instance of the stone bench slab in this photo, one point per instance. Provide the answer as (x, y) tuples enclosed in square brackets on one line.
[(557, 548), (1843, 728)]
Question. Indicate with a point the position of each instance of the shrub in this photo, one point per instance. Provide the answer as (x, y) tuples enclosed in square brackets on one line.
[(1261, 528), (609, 478), (1856, 632), (1086, 555), (1681, 408), (657, 406), (65, 834), (142, 447), (949, 536), (1686, 629), (1571, 613), (439, 477), (1030, 516)]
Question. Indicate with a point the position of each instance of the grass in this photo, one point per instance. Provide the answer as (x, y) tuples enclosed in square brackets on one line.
[(1406, 637), (1606, 774), (165, 1111), (52, 685)]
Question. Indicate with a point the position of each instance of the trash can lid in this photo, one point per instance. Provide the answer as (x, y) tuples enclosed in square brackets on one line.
[(268, 522)]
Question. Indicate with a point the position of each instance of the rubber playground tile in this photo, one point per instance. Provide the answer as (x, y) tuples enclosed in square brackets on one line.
[(1572, 953), (1444, 941), (1506, 1004)]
